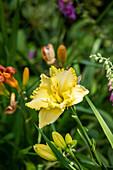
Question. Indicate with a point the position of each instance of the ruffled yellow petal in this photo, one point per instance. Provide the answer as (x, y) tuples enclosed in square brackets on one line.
[(64, 80), (41, 98), (48, 116), (78, 93), (52, 71), (45, 81), (53, 105), (68, 98)]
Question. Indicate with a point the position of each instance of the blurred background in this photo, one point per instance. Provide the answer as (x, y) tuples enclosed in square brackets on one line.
[(28, 25)]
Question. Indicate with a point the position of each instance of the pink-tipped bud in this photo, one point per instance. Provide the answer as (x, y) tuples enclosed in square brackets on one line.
[(109, 84), (110, 88), (48, 54), (111, 97)]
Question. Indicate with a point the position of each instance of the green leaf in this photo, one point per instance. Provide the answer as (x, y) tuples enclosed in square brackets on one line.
[(13, 40), (89, 63), (3, 23), (4, 31), (59, 156), (87, 162), (96, 46), (26, 150), (108, 118), (101, 121), (30, 166)]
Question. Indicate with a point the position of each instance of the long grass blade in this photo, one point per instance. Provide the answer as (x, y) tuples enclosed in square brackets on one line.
[(13, 40), (3, 22), (101, 121)]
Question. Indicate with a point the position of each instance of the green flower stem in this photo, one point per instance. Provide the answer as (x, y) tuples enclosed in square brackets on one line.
[(39, 137), (72, 167), (23, 116), (91, 146), (53, 127), (74, 157), (70, 163)]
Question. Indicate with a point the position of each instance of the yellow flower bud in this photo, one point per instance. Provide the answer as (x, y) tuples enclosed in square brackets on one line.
[(3, 90), (60, 150), (45, 152), (68, 138), (74, 142), (109, 71), (59, 140), (25, 76), (62, 55)]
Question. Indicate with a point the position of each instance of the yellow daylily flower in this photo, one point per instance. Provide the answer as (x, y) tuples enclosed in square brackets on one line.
[(55, 93)]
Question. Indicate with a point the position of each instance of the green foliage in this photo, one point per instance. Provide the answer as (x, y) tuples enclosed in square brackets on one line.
[(30, 25)]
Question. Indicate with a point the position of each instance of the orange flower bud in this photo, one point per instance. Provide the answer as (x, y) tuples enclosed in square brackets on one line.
[(25, 76), (12, 107), (62, 55), (12, 100), (48, 54)]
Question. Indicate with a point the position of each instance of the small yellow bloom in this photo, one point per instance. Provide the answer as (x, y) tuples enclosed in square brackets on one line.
[(25, 76), (62, 55), (59, 140), (55, 93), (68, 138), (48, 54), (3, 90), (45, 152)]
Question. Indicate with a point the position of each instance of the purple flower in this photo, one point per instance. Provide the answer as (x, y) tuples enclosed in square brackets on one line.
[(67, 9), (31, 54), (110, 88), (111, 97), (109, 84)]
